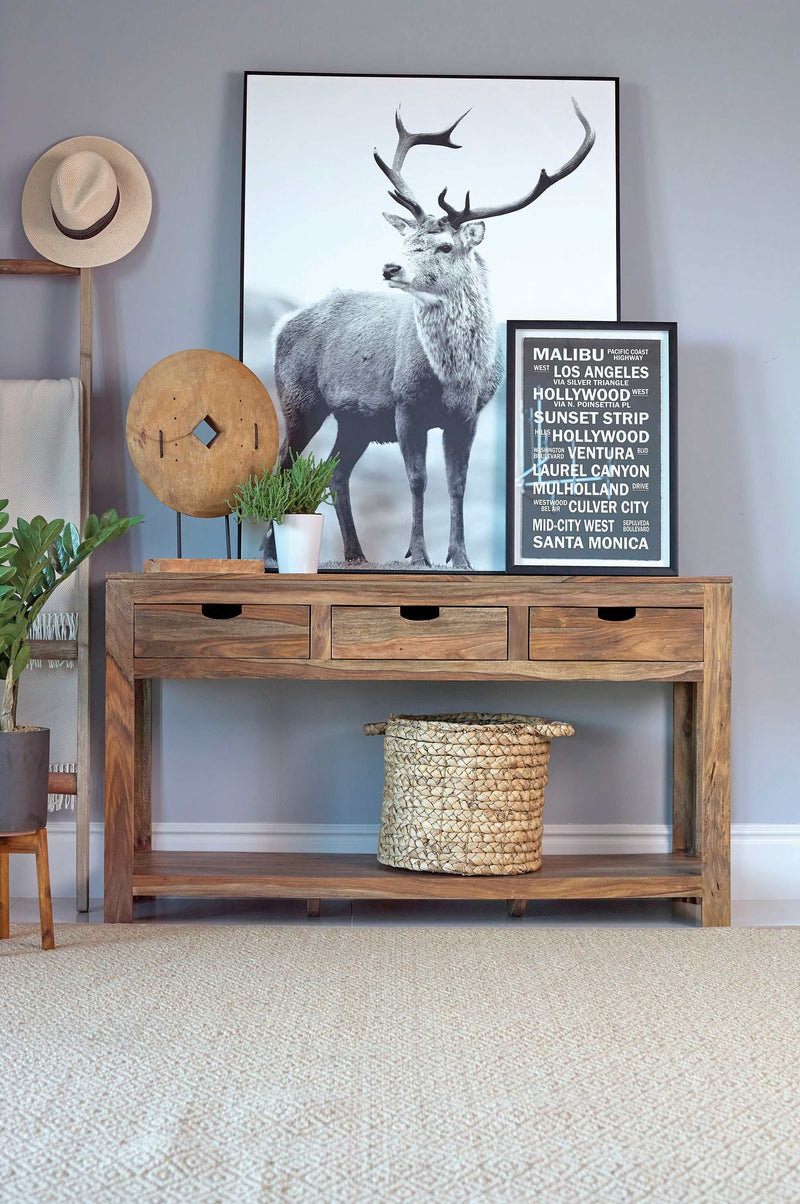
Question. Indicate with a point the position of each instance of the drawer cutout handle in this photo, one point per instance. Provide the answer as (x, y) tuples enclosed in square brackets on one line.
[(221, 610), (616, 614), (419, 614)]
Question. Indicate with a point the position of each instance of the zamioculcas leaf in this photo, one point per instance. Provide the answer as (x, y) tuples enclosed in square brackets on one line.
[(35, 557), (21, 660)]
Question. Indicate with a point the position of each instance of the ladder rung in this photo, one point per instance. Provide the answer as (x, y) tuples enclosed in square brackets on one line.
[(54, 650), (35, 267), (62, 783)]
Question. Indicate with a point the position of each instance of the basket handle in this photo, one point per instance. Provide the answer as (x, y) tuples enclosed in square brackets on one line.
[(375, 729)]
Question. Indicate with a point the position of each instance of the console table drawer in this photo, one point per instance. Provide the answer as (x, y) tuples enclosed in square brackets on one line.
[(441, 633), (614, 633), (222, 630)]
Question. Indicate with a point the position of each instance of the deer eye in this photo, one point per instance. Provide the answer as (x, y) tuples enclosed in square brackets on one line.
[(445, 248)]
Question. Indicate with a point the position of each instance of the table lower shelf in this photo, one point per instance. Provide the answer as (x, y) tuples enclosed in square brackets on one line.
[(360, 876)]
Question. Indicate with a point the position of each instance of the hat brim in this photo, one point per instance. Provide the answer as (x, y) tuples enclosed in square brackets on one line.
[(119, 237)]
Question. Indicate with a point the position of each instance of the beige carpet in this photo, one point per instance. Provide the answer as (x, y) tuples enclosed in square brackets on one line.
[(154, 1063)]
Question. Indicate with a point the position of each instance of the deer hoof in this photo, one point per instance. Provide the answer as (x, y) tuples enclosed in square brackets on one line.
[(421, 558), (458, 559)]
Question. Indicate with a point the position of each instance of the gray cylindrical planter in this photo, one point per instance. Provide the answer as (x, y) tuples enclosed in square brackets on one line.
[(24, 765)]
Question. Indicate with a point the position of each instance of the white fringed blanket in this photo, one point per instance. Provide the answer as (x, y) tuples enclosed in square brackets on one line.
[(40, 474)]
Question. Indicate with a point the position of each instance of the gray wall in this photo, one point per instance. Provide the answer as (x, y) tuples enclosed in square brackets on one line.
[(709, 105)]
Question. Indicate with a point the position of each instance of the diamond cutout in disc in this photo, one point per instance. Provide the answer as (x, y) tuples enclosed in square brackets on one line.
[(206, 431)]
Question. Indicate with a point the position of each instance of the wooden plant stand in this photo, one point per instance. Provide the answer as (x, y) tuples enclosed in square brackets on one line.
[(36, 843), (425, 628)]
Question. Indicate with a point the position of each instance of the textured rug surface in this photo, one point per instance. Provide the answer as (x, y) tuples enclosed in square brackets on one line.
[(148, 1064)]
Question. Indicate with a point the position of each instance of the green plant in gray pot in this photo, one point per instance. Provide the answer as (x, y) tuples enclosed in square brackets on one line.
[(289, 499), (35, 557)]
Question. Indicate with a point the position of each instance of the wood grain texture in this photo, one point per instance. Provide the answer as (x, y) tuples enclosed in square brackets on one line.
[(5, 893), (43, 888), (62, 783), (56, 650), (120, 754), (683, 776), (184, 631), (321, 632), (35, 267), (232, 568), (143, 766), (171, 400), (83, 801), (457, 633), (35, 843), (355, 875), (419, 670), (714, 780), (653, 634), (518, 624), (684, 794), (425, 589)]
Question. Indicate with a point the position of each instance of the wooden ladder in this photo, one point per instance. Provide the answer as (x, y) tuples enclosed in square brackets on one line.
[(78, 784)]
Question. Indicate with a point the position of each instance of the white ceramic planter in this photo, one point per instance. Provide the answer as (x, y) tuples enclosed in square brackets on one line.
[(297, 542)]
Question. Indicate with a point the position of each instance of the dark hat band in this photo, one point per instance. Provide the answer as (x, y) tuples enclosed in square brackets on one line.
[(90, 231)]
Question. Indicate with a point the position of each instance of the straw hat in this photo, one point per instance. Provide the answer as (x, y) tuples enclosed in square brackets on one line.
[(86, 202)]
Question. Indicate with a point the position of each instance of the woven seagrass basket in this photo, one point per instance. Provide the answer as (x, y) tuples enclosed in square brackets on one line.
[(463, 794)]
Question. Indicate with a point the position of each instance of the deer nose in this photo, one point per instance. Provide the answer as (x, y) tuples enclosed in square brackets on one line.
[(390, 270)]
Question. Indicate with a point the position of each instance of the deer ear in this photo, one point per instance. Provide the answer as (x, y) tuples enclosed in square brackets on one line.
[(401, 224), (473, 233)]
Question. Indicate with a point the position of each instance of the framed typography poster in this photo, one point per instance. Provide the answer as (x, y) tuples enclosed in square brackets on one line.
[(591, 447), (390, 227)]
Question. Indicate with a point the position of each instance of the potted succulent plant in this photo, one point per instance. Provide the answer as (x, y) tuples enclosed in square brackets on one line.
[(35, 557), (289, 498)]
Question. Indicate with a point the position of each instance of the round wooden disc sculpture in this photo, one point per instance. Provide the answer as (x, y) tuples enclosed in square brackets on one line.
[(199, 423)]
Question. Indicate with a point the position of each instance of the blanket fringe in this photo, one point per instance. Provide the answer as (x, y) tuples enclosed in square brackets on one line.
[(57, 802), (54, 625)]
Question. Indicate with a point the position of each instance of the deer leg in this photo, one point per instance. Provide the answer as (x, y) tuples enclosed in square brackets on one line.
[(457, 440), (414, 447), (350, 445)]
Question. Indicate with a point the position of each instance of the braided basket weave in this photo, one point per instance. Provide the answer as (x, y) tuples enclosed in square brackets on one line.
[(463, 794)]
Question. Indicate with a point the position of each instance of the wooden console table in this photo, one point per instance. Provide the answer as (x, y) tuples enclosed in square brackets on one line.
[(422, 627)]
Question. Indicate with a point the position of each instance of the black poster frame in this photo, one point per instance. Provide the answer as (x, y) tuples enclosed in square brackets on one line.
[(563, 567)]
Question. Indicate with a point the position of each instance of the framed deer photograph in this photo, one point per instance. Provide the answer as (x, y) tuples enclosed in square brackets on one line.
[(390, 227)]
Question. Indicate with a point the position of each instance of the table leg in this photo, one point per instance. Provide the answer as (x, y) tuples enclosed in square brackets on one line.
[(143, 756), (684, 819), (714, 758), (120, 792)]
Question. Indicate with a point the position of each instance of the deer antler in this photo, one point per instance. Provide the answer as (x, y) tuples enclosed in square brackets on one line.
[(457, 217), (405, 141)]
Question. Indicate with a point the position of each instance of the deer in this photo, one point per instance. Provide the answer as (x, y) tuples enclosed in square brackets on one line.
[(390, 367)]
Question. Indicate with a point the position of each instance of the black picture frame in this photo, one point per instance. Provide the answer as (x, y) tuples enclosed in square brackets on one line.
[(490, 436), (592, 516)]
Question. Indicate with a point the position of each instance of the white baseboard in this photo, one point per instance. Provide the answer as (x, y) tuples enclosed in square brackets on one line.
[(765, 857)]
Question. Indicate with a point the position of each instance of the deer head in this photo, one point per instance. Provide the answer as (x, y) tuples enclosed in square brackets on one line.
[(437, 249)]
